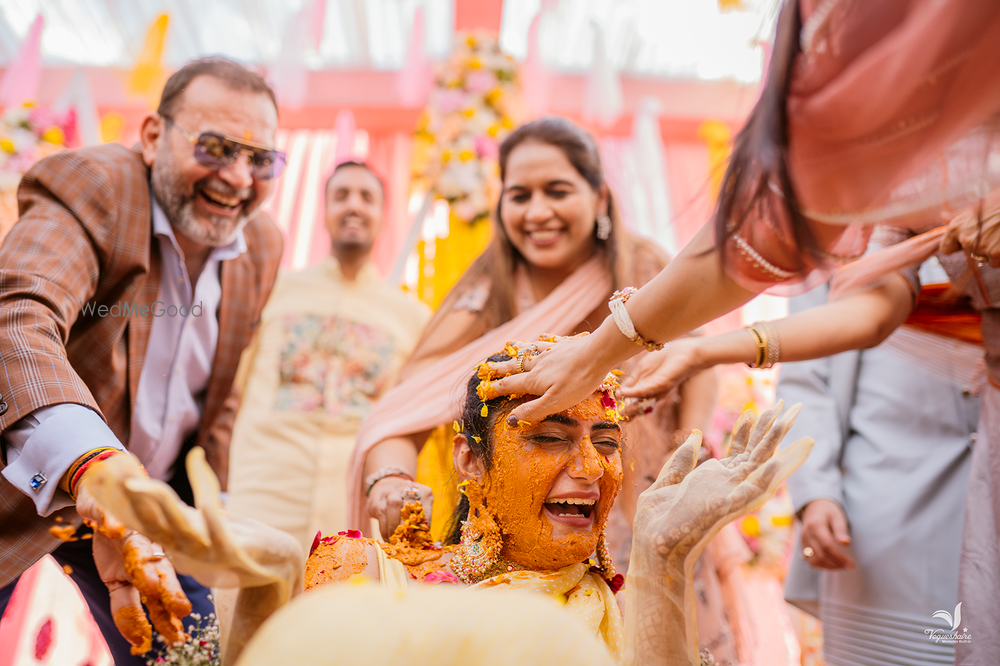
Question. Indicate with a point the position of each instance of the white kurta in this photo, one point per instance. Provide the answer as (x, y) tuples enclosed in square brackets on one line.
[(326, 349)]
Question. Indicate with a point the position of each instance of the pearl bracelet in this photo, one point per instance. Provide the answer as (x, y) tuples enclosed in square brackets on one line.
[(624, 321), (380, 474)]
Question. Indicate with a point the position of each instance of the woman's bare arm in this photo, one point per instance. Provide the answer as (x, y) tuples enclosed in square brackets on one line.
[(693, 289), (858, 321)]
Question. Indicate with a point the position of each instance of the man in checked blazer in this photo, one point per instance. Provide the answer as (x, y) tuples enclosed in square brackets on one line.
[(128, 290)]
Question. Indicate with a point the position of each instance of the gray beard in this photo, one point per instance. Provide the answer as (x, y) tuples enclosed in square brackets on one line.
[(179, 208)]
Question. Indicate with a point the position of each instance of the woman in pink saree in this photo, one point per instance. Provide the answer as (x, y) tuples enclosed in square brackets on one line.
[(873, 113)]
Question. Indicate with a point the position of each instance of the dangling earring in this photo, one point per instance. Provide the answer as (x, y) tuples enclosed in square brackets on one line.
[(604, 557), (604, 566), (481, 543), (603, 226)]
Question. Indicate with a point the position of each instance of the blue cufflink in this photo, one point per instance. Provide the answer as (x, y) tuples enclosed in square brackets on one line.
[(37, 481)]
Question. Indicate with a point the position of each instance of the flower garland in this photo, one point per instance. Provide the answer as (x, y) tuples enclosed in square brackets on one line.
[(201, 649), (469, 113), (28, 133)]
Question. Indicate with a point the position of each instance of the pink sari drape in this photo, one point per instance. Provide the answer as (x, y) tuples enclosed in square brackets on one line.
[(865, 272), (893, 117), (890, 105), (433, 396)]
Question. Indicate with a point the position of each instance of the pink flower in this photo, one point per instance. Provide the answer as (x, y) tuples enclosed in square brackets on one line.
[(486, 147), (351, 534), (479, 81), (451, 100), (435, 577), (316, 542)]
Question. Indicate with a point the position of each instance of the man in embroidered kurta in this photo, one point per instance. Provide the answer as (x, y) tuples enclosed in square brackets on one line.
[(331, 340)]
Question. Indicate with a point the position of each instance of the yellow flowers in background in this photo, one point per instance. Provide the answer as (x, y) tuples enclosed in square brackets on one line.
[(148, 76), (717, 137), (455, 149), (112, 125), (468, 114), (27, 134)]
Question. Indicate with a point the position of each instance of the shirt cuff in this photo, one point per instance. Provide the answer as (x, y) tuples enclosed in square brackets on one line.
[(42, 446)]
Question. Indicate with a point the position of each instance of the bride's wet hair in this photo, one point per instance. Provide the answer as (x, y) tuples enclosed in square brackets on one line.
[(478, 429)]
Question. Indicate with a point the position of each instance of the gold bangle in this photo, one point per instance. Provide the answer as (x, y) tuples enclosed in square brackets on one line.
[(771, 337), (761, 343)]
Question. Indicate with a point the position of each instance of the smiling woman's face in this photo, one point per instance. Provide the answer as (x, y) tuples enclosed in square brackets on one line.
[(548, 208), (553, 484)]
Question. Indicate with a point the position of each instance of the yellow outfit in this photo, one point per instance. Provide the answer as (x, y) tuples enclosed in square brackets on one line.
[(326, 349), (585, 594)]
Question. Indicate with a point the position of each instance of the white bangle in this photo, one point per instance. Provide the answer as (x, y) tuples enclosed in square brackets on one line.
[(624, 321)]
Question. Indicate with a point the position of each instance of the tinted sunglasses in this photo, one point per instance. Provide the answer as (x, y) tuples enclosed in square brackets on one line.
[(217, 151)]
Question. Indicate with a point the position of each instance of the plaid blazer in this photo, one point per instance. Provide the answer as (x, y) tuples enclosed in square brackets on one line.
[(85, 235)]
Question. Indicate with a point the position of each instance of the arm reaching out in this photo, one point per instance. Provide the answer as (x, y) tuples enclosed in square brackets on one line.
[(693, 289), (219, 549), (680, 513), (857, 321)]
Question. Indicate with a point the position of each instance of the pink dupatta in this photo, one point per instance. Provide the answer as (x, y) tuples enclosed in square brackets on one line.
[(432, 397)]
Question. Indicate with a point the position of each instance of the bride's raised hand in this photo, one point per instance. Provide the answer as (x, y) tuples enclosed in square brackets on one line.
[(687, 505)]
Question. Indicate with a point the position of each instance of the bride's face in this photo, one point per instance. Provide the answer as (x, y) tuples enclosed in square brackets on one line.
[(553, 484)]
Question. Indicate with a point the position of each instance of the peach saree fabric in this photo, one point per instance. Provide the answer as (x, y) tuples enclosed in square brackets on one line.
[(893, 116)]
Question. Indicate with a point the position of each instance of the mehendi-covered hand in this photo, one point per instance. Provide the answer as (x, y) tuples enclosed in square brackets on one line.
[(686, 506), (217, 548), (134, 571)]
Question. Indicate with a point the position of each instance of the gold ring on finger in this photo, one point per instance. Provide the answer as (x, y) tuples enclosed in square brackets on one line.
[(980, 259), (808, 552), (522, 354)]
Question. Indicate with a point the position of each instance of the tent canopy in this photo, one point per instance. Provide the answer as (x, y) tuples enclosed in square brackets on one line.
[(699, 39)]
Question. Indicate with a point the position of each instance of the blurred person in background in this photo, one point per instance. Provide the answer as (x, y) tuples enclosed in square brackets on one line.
[(880, 500), (331, 342)]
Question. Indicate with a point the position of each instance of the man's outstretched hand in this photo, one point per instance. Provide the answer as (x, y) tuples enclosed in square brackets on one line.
[(135, 571)]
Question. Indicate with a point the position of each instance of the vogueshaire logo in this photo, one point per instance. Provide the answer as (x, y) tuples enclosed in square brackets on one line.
[(951, 635)]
